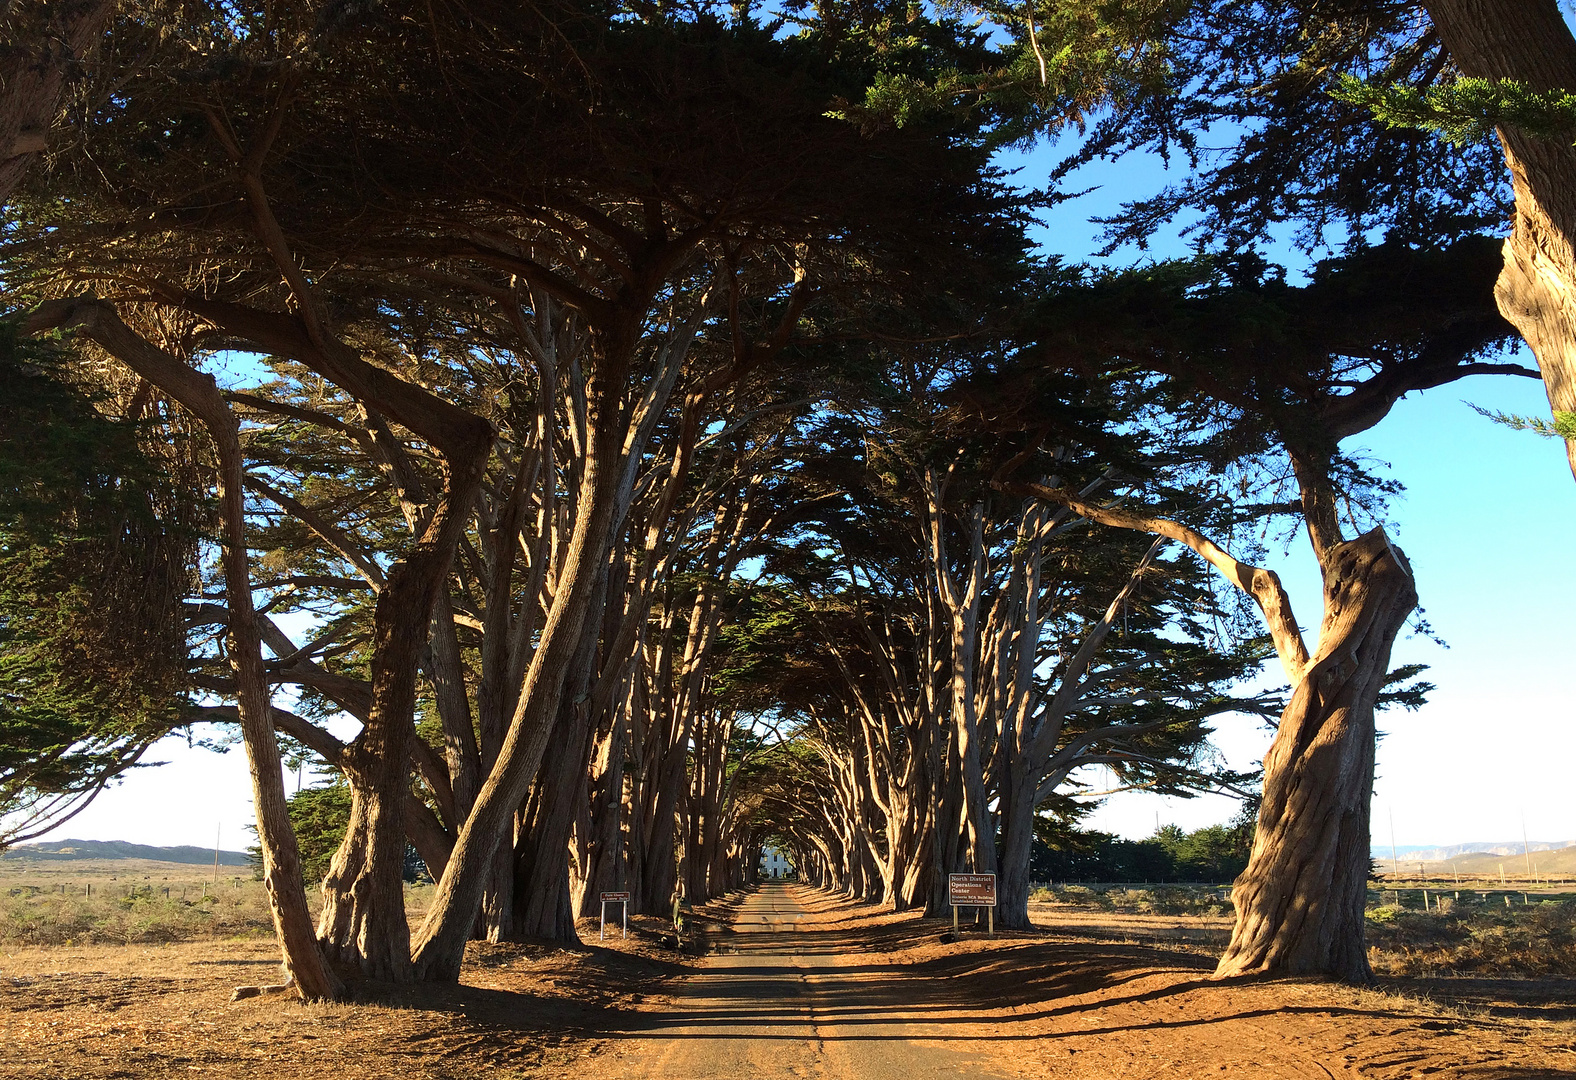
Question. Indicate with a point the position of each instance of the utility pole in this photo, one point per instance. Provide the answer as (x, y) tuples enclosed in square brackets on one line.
[(216, 829), (1526, 850), (1395, 861)]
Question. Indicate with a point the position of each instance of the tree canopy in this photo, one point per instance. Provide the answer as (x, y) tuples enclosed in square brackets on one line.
[(657, 429)]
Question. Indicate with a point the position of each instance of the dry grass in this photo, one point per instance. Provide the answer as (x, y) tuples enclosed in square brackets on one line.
[(105, 1012), (1479, 936), (1206, 900), (133, 901), (1476, 934)]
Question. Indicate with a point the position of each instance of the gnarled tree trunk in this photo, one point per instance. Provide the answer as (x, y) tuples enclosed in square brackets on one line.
[(199, 394), (1527, 40), (1300, 901), (363, 923)]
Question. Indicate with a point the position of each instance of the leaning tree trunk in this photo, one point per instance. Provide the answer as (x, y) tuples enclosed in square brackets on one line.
[(199, 394), (363, 918), (441, 945), (303, 960), (1300, 901), (362, 924), (1528, 41), (543, 907)]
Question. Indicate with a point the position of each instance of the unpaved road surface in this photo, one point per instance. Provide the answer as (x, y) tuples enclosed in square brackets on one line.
[(802, 986), (799, 985), (785, 998)]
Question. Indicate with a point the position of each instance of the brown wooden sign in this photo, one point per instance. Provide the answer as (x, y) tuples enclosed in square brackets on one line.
[(971, 890), (615, 898)]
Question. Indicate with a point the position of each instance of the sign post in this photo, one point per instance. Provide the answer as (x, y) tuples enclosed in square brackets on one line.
[(613, 898), (973, 890)]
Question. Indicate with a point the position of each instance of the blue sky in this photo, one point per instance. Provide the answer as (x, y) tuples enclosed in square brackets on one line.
[(1487, 521)]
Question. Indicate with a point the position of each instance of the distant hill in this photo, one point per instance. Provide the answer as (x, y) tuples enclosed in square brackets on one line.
[(65, 850), (1485, 860), (1507, 848), (1545, 862)]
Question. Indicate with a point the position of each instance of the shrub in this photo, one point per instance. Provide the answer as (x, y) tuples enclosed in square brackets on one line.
[(1475, 937)]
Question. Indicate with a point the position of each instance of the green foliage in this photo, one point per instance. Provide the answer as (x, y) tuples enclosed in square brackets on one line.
[(1466, 110), (1268, 151), (1563, 426), (97, 547), (1162, 900), (1403, 689), (320, 816), (1047, 66), (1215, 853)]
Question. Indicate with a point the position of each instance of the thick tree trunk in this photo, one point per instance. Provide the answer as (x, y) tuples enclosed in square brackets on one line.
[(363, 923), (363, 918), (198, 393), (948, 850), (1527, 40), (605, 840), (44, 42), (1300, 901), (660, 860), (543, 907), (303, 961), (450, 920), (1017, 826)]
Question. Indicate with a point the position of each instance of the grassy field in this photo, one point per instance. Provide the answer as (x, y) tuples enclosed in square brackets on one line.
[(136, 901), (132, 902), (1465, 931)]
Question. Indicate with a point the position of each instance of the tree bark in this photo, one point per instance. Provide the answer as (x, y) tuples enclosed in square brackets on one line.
[(199, 394), (1017, 816), (1300, 901), (543, 908), (1528, 41), (363, 918), (441, 944), (44, 42)]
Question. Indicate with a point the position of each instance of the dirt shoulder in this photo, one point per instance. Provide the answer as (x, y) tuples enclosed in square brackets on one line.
[(1081, 997), (1088, 996), (140, 1011)]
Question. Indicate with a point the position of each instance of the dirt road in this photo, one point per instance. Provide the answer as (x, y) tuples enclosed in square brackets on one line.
[(786, 999), (799, 984), (804, 986)]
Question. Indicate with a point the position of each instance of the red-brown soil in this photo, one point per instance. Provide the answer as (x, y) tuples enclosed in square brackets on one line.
[(880, 993)]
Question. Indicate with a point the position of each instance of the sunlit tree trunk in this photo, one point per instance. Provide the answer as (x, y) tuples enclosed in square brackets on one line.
[(1300, 901), (441, 943), (198, 393), (1528, 41)]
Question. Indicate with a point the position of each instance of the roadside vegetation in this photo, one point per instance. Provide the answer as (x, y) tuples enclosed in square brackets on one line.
[(1214, 853), (138, 902)]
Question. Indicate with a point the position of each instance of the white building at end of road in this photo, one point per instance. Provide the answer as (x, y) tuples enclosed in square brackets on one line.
[(775, 864)]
